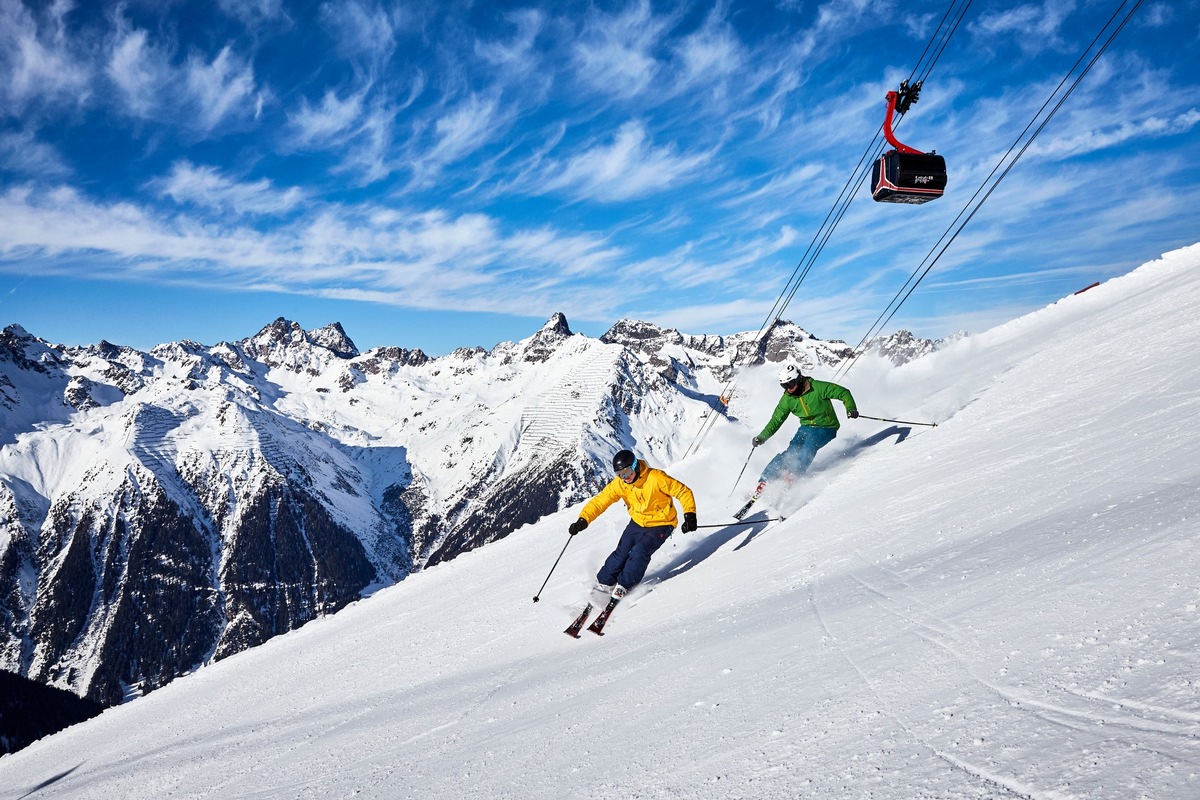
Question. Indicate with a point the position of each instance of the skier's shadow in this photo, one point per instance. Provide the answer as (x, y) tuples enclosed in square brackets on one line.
[(689, 557), (837, 457), (901, 433), (762, 521), (51, 781), (692, 556)]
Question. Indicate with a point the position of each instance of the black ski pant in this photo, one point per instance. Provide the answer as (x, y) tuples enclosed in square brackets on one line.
[(626, 565)]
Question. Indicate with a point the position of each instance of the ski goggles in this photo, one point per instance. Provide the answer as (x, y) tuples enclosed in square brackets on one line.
[(790, 385), (629, 473)]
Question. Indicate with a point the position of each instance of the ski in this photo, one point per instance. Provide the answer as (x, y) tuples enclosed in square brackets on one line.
[(575, 627), (741, 512), (597, 627), (758, 490)]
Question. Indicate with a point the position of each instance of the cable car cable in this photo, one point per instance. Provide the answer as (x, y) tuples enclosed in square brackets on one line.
[(938, 41), (915, 279)]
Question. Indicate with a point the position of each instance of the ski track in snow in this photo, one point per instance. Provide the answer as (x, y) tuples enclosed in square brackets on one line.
[(1005, 606)]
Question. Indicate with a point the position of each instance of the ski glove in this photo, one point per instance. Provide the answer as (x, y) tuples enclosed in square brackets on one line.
[(577, 526), (853, 414), (689, 522), (755, 442)]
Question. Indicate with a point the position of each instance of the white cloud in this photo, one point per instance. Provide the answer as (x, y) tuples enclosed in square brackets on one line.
[(615, 53), (841, 14), (252, 12), (207, 187), (461, 131), (710, 54), (201, 95), (363, 32), (36, 63), (324, 124), (1087, 141), (368, 153), (431, 259), (24, 154), (1033, 27), (140, 71), (219, 88), (358, 128), (628, 167), (516, 55)]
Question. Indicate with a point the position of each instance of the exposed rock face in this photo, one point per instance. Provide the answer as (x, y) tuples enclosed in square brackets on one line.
[(79, 394), (286, 345), (513, 501), (546, 342), (781, 341), (381, 360), (289, 563), (130, 594), (27, 352), (902, 346), (129, 598)]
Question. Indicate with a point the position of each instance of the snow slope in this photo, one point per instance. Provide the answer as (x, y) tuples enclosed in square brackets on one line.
[(1005, 606)]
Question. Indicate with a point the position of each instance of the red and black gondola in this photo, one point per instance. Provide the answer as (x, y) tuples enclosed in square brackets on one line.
[(905, 174)]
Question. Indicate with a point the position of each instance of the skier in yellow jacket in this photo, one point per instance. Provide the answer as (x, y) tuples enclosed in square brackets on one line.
[(648, 494)]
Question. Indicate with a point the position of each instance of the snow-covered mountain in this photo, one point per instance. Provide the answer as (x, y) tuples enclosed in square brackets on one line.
[(161, 510), (1004, 606)]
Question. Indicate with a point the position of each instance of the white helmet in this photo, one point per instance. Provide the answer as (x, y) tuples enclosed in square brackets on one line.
[(789, 373)]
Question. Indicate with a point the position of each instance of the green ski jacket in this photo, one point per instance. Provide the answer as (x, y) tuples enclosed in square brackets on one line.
[(812, 406)]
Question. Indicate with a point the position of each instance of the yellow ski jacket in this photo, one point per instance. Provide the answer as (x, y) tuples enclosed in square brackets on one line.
[(648, 499)]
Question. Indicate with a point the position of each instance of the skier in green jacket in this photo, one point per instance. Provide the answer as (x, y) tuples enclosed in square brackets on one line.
[(810, 400)]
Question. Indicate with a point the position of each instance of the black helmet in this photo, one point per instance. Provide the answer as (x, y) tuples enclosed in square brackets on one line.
[(624, 459)]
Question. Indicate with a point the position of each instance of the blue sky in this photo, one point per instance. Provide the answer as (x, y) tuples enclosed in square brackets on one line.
[(451, 174)]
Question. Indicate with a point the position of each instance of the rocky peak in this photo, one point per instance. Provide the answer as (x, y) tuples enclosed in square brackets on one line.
[(281, 331), (333, 338), (557, 324), (903, 346), (545, 342), (781, 342), (26, 350), (638, 335), (109, 351), (385, 360), (286, 345), (16, 330)]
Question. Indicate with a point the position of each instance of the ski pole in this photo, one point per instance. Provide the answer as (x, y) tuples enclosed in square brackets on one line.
[(901, 421), (743, 472), (538, 596), (743, 522)]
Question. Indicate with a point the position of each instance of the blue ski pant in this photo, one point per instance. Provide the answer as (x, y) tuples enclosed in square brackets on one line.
[(798, 456), (627, 564)]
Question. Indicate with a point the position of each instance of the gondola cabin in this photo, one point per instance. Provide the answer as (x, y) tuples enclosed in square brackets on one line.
[(908, 177)]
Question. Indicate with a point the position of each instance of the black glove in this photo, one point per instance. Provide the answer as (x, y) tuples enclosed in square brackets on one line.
[(755, 442), (853, 414), (577, 526), (689, 522)]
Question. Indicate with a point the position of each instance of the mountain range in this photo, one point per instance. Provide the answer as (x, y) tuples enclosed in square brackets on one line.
[(160, 510)]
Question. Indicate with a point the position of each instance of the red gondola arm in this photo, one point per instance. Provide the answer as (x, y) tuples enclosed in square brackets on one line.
[(887, 126)]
